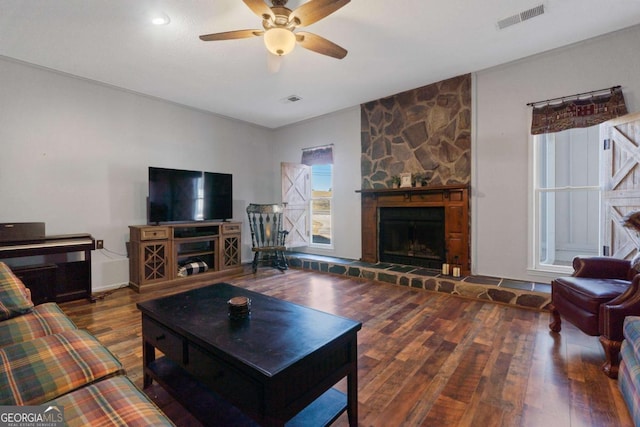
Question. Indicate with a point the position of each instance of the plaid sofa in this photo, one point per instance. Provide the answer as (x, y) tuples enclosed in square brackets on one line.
[(46, 360), (45, 319), (629, 372)]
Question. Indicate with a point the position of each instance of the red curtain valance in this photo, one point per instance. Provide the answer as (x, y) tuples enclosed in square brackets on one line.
[(578, 113)]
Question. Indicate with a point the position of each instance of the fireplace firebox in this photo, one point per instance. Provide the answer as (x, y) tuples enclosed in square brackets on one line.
[(413, 236)]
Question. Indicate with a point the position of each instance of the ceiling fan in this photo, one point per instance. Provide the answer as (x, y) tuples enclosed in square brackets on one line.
[(279, 23)]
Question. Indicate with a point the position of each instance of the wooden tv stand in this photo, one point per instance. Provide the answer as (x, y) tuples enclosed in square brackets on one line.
[(157, 250)]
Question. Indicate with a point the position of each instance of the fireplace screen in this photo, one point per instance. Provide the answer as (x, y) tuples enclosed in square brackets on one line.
[(413, 236)]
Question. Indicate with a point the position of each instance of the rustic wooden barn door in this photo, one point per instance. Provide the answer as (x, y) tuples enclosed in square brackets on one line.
[(296, 193), (621, 183)]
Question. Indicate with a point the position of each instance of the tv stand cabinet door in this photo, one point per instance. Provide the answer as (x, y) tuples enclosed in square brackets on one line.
[(230, 245), (155, 262), (150, 260)]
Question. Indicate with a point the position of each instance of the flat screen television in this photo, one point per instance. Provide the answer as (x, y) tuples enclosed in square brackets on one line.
[(183, 196)]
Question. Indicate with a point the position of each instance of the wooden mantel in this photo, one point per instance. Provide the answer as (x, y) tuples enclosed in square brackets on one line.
[(453, 198)]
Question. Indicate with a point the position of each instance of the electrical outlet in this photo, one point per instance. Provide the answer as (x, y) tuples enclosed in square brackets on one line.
[(99, 244)]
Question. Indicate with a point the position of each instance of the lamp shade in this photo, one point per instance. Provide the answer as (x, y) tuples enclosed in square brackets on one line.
[(279, 41)]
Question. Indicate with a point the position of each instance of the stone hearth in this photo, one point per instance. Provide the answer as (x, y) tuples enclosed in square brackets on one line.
[(505, 291)]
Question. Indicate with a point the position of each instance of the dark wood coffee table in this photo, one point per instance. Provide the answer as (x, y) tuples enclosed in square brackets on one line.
[(276, 367)]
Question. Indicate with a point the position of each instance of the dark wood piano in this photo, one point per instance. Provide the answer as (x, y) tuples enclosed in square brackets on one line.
[(54, 268)]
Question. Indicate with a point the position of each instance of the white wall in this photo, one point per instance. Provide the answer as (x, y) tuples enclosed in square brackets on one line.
[(500, 181), (75, 154), (342, 129)]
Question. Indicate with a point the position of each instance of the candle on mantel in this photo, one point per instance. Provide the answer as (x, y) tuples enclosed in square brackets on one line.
[(456, 271)]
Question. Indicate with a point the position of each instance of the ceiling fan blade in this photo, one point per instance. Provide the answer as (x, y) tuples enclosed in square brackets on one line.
[(315, 10), (320, 45), (229, 35), (260, 8)]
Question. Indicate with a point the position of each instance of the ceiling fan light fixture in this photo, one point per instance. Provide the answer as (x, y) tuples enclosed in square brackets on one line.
[(279, 41), (280, 22)]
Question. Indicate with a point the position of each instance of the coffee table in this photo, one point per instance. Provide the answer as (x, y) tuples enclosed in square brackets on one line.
[(276, 367)]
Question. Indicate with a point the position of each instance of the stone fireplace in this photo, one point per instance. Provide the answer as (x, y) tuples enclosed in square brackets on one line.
[(424, 131)]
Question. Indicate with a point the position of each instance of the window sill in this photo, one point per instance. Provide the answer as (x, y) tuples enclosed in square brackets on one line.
[(321, 246), (551, 271)]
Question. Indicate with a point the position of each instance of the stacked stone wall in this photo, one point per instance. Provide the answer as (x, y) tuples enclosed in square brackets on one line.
[(425, 130)]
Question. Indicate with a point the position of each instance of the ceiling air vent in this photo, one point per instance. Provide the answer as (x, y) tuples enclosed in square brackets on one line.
[(291, 98), (522, 16)]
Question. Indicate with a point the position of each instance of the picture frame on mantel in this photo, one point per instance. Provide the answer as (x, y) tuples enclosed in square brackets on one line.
[(405, 180)]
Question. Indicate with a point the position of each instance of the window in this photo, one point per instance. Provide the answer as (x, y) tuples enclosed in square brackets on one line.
[(321, 203), (566, 197)]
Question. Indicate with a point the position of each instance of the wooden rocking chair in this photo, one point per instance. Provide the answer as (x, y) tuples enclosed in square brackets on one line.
[(267, 235)]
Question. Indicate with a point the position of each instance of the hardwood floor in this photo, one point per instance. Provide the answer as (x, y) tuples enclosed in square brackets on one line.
[(425, 359)]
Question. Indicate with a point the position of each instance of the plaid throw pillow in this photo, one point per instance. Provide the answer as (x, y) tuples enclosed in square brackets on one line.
[(192, 268), (14, 299)]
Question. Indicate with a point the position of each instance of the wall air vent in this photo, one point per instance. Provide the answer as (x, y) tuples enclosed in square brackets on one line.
[(522, 16)]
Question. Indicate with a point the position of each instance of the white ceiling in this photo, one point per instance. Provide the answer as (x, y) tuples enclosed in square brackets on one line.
[(393, 45)]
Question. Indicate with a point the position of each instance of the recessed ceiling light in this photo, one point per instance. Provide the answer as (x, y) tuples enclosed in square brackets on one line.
[(160, 19)]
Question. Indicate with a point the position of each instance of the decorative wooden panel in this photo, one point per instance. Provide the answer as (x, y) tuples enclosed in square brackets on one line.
[(231, 252), (369, 228), (621, 183), (154, 257), (296, 195)]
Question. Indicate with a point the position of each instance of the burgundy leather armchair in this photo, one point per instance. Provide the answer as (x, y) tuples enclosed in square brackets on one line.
[(596, 298)]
